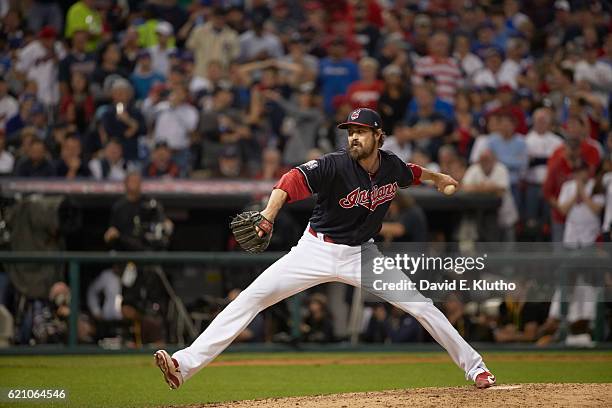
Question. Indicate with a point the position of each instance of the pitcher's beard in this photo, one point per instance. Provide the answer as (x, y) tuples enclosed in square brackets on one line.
[(359, 152)]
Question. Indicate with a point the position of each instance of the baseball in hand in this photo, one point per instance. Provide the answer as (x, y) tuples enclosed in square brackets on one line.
[(449, 189)]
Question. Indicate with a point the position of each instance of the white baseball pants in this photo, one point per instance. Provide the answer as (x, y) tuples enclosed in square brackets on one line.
[(311, 262)]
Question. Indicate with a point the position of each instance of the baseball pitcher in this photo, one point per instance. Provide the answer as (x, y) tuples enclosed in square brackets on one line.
[(354, 189)]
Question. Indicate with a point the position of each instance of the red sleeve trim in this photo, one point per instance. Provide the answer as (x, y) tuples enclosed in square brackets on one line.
[(294, 184), (417, 171)]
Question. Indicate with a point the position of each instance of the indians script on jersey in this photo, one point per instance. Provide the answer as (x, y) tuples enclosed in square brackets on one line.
[(379, 195)]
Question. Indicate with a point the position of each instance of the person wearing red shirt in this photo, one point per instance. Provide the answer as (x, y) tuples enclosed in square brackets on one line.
[(576, 150), (366, 91)]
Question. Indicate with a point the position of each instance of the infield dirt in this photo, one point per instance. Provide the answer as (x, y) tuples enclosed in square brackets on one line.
[(503, 395)]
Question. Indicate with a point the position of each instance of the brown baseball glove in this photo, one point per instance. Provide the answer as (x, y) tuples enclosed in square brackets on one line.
[(243, 227)]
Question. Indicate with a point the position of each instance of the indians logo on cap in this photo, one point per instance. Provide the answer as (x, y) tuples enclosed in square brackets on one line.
[(355, 114)]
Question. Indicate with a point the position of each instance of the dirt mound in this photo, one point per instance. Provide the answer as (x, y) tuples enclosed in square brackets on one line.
[(506, 395)]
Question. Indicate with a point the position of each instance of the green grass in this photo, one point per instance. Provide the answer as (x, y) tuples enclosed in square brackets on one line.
[(133, 381)]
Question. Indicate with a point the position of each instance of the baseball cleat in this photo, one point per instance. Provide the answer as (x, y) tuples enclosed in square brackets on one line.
[(169, 368), (484, 380)]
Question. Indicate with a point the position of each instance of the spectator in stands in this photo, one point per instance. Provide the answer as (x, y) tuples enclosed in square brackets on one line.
[(8, 104), (394, 99), (161, 165), (18, 121), (466, 123), (259, 43), (78, 60), (422, 34), (108, 284), (491, 176), (490, 75), (107, 72), (511, 150), (176, 120), (402, 327), (130, 48), (77, 104), (376, 330), (271, 165), (301, 125), (316, 327), (485, 39), (7, 161), (400, 142), (36, 164), (471, 329), (510, 69), (71, 165), (366, 91), (581, 200), (468, 62), (336, 73), (394, 51), (213, 41), (565, 159), (421, 158), (520, 320), (160, 52), (122, 120), (307, 64), (541, 143), (427, 127), (368, 34), (144, 77), (440, 66), (38, 61), (83, 15), (230, 163), (597, 74), (110, 165), (504, 102)]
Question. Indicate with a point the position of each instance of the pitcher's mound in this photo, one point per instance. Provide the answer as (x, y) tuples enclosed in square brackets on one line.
[(503, 395)]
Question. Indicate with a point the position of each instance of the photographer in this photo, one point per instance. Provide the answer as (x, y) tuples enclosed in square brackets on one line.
[(137, 223)]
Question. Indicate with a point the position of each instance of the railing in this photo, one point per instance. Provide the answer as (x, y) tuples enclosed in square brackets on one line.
[(74, 260)]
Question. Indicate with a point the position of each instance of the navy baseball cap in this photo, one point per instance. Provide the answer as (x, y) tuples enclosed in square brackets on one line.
[(362, 117)]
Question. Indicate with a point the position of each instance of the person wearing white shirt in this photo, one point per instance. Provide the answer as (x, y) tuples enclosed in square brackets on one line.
[(111, 166), (7, 161), (175, 121), (596, 73), (8, 104), (491, 176), (399, 144), (108, 284), (541, 143), (39, 61), (470, 63), (581, 200), (490, 75), (582, 204), (511, 67), (160, 52)]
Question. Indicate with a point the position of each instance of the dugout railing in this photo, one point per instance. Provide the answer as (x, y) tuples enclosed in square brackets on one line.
[(75, 260)]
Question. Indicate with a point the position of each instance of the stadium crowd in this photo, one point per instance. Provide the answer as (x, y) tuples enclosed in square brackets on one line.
[(509, 97)]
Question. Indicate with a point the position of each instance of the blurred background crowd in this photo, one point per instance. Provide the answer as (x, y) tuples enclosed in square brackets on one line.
[(510, 97)]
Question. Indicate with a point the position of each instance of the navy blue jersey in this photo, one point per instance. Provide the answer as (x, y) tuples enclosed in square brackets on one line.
[(351, 204)]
